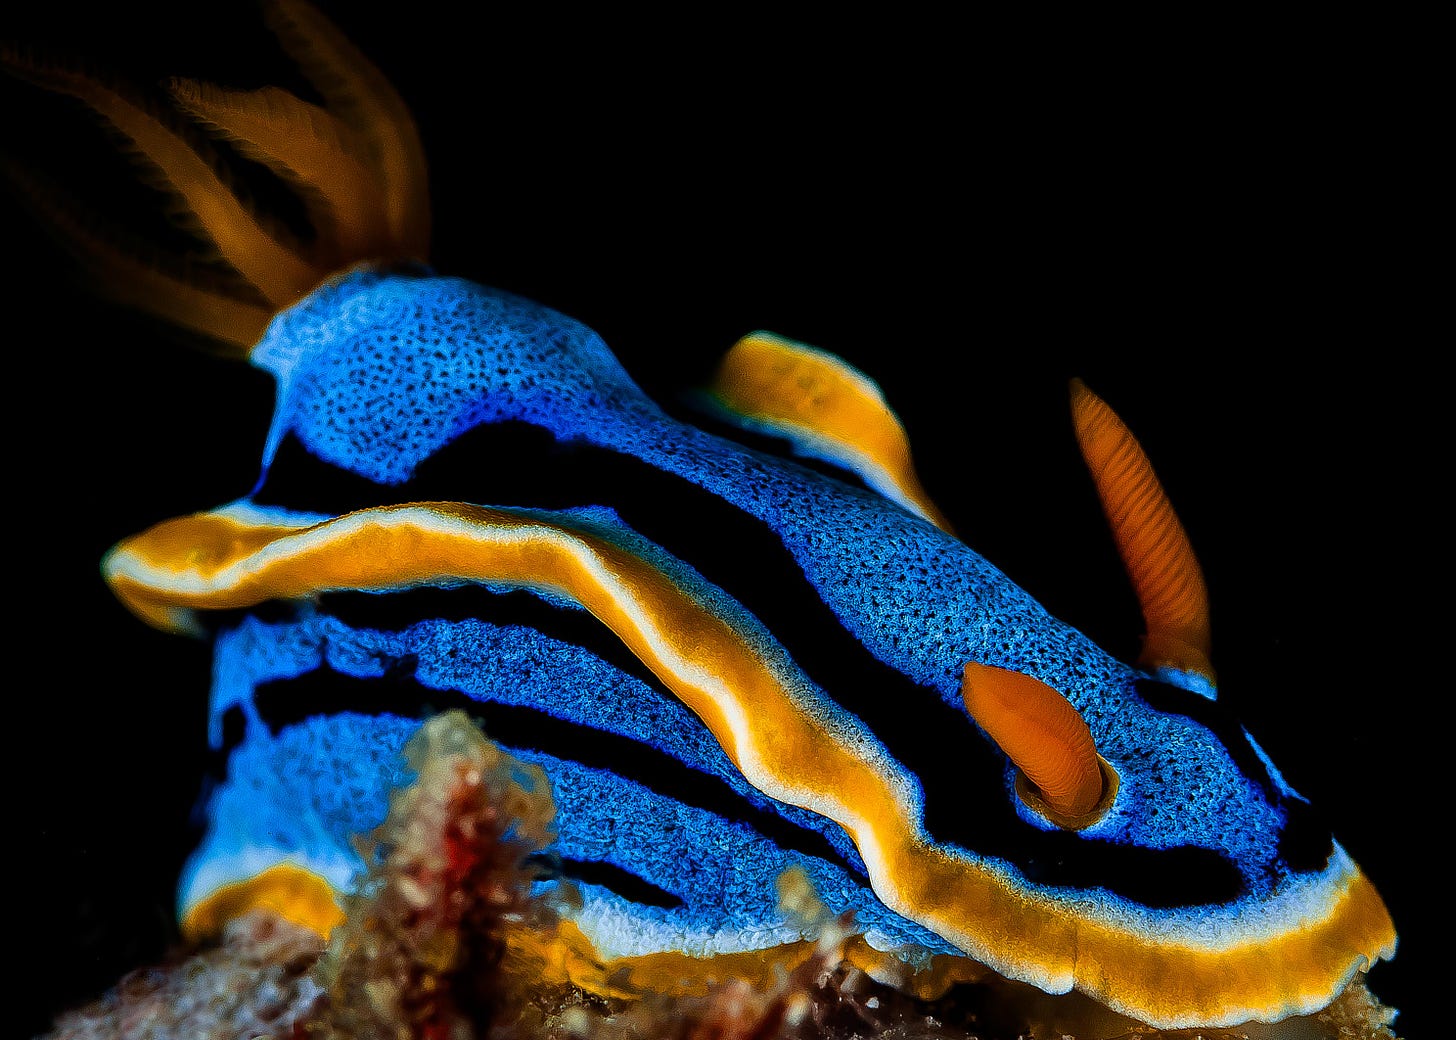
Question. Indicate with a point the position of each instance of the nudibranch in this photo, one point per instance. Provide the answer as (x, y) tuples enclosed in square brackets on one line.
[(735, 646)]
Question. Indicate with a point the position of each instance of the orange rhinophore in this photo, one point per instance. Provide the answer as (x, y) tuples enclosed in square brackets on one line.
[(1154, 547), (1042, 733)]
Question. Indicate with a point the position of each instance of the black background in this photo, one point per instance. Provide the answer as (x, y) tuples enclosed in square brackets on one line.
[(1219, 228)]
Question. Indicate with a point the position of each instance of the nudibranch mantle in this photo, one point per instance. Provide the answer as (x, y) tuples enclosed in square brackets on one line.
[(767, 673)]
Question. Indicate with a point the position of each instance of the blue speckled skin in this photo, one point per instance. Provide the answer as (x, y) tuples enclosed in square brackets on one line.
[(378, 372), (314, 786)]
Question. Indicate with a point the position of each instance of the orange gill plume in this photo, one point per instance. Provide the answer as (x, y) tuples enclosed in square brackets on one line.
[(1047, 740), (1151, 541), (355, 162)]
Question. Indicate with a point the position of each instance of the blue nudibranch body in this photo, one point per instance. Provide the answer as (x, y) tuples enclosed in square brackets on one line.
[(736, 646), (773, 676)]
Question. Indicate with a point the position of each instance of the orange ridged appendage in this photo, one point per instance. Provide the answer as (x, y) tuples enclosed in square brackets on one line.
[(1154, 547), (1040, 731)]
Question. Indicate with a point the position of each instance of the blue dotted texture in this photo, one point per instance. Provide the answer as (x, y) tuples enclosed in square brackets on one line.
[(304, 793), (377, 371), (503, 664)]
